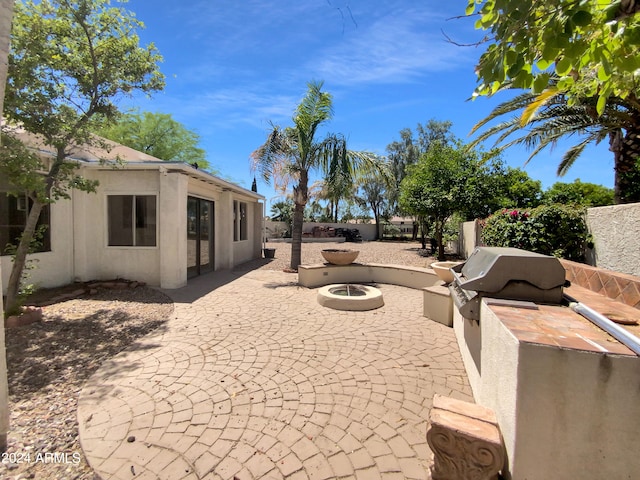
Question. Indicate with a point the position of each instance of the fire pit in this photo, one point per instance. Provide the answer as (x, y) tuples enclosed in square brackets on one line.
[(350, 297)]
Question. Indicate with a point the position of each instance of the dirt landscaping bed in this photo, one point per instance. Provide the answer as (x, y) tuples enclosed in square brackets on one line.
[(48, 363)]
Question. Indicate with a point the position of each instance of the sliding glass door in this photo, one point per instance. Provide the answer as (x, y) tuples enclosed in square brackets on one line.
[(200, 238)]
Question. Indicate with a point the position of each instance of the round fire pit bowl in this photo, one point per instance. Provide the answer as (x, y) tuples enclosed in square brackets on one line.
[(339, 257), (350, 297)]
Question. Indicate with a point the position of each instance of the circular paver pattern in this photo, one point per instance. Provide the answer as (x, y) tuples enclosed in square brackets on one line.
[(253, 379)]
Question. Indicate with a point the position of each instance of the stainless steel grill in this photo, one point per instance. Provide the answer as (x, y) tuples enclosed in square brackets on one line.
[(505, 273)]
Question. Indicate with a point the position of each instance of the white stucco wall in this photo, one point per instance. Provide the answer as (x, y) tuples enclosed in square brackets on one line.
[(616, 230), (562, 413), (172, 228), (55, 267), (79, 231), (245, 250), (469, 337), (95, 259), (469, 238)]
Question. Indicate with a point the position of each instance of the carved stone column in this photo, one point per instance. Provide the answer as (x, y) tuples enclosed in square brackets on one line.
[(465, 441)]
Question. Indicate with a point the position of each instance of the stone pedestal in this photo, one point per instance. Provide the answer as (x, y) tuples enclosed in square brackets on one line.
[(438, 305), (465, 441)]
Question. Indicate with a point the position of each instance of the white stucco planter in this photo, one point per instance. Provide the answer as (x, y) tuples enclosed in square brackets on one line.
[(443, 270), (340, 257)]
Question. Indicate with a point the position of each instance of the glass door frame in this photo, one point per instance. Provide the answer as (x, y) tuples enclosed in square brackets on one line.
[(195, 229)]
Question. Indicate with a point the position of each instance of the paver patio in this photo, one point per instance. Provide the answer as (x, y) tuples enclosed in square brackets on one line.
[(253, 379)]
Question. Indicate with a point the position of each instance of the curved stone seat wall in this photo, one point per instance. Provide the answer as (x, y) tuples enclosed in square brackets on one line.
[(319, 275)]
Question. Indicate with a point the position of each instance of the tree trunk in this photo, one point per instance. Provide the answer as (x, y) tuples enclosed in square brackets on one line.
[(300, 197), (376, 218), (626, 151), (439, 226), (20, 258), (296, 236)]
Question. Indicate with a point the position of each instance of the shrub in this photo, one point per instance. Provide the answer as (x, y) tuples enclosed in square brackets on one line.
[(557, 230)]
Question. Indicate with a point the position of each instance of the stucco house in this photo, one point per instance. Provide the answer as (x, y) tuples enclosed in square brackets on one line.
[(150, 220)]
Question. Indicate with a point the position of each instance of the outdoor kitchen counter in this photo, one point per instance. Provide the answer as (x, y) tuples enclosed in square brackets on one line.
[(556, 325)]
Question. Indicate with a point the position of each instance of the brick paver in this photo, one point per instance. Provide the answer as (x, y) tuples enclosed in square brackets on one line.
[(253, 379)]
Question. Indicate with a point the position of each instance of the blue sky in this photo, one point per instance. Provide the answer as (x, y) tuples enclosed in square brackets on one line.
[(233, 67)]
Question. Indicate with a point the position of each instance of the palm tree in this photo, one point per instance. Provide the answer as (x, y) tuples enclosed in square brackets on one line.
[(547, 117), (290, 154)]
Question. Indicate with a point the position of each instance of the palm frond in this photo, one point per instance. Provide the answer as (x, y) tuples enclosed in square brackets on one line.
[(517, 103), (543, 120), (315, 108), (571, 156), (540, 101)]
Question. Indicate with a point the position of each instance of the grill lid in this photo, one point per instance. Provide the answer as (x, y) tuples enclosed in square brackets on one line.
[(490, 269)]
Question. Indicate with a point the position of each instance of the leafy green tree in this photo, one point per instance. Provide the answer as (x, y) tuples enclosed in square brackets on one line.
[(372, 195), (159, 135), (282, 212), (582, 55), (578, 193), (69, 61), (314, 212), (355, 211), (409, 148), (289, 154), (549, 118), (520, 190), (590, 45), (444, 181)]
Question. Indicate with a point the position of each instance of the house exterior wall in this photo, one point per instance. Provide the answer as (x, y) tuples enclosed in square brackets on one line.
[(172, 238), (51, 268), (79, 231), (224, 232), (95, 259), (245, 250)]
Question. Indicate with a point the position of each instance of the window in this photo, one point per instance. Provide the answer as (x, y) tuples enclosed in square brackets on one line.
[(239, 221), (13, 218), (132, 220)]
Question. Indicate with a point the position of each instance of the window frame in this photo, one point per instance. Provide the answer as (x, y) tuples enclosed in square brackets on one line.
[(23, 204), (134, 219), (240, 221)]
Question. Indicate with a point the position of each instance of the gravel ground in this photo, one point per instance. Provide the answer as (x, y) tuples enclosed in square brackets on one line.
[(48, 362), (403, 253)]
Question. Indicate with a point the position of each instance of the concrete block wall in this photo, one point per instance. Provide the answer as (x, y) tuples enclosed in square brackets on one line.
[(616, 233), (275, 229)]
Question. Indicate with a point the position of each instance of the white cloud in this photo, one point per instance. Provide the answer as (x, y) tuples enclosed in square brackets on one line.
[(398, 47)]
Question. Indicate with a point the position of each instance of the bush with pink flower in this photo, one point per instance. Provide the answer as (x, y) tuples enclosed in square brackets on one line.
[(557, 230)]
